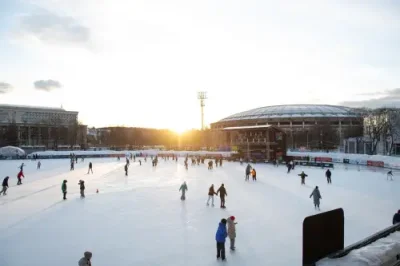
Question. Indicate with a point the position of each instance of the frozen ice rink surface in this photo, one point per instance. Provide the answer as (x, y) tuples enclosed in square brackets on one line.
[(140, 220)]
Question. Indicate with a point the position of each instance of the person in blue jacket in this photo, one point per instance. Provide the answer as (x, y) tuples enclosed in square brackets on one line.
[(220, 237)]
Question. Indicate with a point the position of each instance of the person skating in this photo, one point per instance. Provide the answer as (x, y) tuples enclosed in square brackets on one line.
[(85, 261), (232, 231), (64, 189), (72, 165), (90, 168), (220, 237), (248, 172), (303, 177), (289, 167), (211, 193), (328, 175), (396, 217), (222, 194), (126, 169), (316, 197), (20, 176), (183, 189), (5, 186), (216, 162), (39, 164), (389, 174), (254, 174), (210, 165), (82, 188)]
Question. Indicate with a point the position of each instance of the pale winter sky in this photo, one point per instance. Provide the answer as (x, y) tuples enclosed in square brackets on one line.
[(141, 62)]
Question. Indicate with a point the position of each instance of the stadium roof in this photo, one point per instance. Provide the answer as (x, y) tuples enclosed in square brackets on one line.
[(294, 111), (13, 106)]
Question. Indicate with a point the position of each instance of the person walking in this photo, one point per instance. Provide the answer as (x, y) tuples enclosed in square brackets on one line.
[(183, 188), (85, 261), (64, 189), (90, 168), (328, 175), (211, 193), (303, 177), (82, 188), (232, 231), (396, 217), (220, 237), (5, 186), (316, 196), (19, 176), (222, 194)]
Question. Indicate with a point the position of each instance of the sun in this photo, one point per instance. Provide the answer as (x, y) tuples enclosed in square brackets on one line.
[(179, 130)]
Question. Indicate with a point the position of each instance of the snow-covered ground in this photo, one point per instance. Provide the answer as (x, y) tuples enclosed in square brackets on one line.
[(140, 219)]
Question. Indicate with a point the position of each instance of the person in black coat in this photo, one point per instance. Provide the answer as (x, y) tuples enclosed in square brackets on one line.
[(126, 169), (90, 168), (396, 217), (82, 188), (222, 195), (328, 175), (5, 186)]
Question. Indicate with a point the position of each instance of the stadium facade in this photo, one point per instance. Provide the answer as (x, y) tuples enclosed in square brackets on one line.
[(306, 125), (50, 128)]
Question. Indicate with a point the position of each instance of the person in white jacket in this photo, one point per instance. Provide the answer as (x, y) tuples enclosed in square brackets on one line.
[(231, 231)]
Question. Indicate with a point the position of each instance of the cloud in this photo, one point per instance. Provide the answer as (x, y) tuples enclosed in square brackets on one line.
[(47, 85), (5, 87), (52, 28), (388, 98)]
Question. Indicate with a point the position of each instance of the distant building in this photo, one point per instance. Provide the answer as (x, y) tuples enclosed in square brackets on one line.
[(29, 126)]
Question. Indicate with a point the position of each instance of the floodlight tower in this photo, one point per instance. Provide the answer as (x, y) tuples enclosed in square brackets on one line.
[(202, 95)]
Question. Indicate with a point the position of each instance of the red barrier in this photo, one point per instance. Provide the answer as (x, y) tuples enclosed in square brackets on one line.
[(323, 159), (375, 163)]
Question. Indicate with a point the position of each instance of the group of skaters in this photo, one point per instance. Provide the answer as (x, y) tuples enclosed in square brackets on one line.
[(64, 187), (222, 233), (250, 171)]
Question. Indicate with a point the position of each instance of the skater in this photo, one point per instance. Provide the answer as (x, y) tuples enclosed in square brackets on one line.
[(183, 188), (389, 174), (220, 162), (90, 168), (5, 186), (210, 165), (292, 164), (216, 162), (38, 165), (211, 193), (126, 169), (220, 237), (316, 196), (289, 167), (232, 231), (254, 174), (276, 163), (21, 167), (127, 161), (241, 161), (303, 177), (222, 195), (396, 217), (248, 171), (328, 175), (72, 165), (19, 176), (85, 261), (82, 188), (140, 162), (64, 189)]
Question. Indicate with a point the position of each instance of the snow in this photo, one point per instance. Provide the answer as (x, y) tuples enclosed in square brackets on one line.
[(140, 220)]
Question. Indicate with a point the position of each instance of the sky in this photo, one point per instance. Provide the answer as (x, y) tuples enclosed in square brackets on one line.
[(142, 62)]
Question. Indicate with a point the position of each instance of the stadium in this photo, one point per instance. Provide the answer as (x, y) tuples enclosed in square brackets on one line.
[(306, 126)]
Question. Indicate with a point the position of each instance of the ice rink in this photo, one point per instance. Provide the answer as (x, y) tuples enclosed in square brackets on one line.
[(140, 220)]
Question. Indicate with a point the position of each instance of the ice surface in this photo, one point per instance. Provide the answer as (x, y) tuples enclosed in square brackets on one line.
[(140, 220)]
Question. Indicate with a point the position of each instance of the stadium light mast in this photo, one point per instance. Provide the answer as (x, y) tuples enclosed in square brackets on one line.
[(202, 95)]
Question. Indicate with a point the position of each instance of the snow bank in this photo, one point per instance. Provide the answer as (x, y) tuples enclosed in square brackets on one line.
[(110, 153), (379, 253), (362, 159)]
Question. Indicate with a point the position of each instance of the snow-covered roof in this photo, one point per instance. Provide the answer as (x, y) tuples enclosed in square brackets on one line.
[(294, 111), (11, 151)]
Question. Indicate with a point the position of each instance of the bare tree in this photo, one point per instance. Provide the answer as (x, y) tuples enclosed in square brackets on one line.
[(393, 128), (375, 127)]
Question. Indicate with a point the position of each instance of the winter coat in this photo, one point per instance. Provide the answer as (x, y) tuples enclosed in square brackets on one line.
[(396, 218), (64, 187), (211, 191), (248, 167), (231, 228), (316, 196), (85, 261), (183, 187), (20, 174), (5, 182), (222, 192), (82, 185), (253, 172), (90, 165), (126, 167), (221, 234), (303, 175), (328, 173)]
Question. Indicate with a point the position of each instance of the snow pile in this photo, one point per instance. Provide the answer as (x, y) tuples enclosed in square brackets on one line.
[(128, 152), (362, 159), (381, 252)]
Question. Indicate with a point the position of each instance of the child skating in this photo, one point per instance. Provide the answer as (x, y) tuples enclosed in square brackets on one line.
[(316, 197), (183, 189)]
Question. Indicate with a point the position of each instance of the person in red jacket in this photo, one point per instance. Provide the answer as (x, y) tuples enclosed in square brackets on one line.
[(19, 176)]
